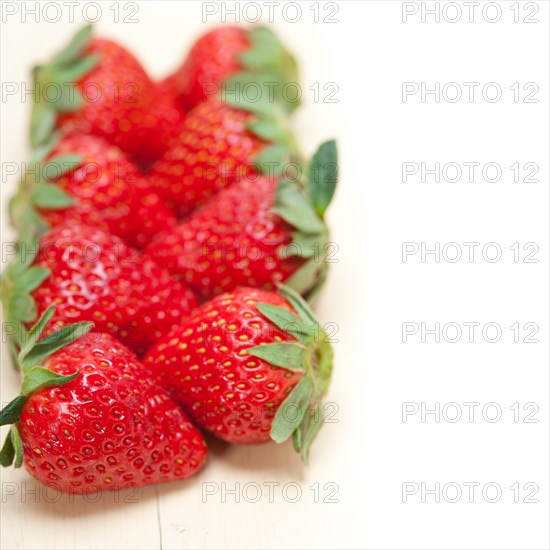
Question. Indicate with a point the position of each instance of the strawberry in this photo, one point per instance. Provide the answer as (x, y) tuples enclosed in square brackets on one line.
[(103, 90), (165, 302), (222, 53), (92, 182), (214, 149), (90, 275), (250, 366), (256, 233), (241, 127), (90, 417)]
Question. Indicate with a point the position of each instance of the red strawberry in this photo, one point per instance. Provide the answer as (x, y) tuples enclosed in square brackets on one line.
[(106, 92), (83, 179), (165, 303), (90, 418), (214, 149), (93, 276), (227, 53), (249, 366), (213, 58), (241, 128), (256, 233)]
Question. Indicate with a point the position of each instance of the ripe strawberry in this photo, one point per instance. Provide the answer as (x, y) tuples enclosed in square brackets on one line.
[(90, 418), (82, 179), (249, 366), (103, 90), (240, 128), (224, 52), (256, 233), (214, 149), (165, 302), (90, 275), (213, 58)]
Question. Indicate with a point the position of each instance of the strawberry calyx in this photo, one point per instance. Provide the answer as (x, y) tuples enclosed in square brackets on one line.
[(302, 203), (267, 61), (18, 281), (269, 123), (60, 76), (300, 415), (261, 89), (36, 191), (34, 351)]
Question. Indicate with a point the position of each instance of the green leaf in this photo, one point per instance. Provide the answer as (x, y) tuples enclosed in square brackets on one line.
[(17, 205), (272, 159), (38, 378), (298, 303), (262, 87), (267, 84), (44, 149), (66, 67), (42, 122), (296, 443), (71, 100), (260, 94), (307, 431), (12, 411), (264, 50), (55, 341), (296, 415), (21, 307), (61, 164), (267, 52), (24, 217), (291, 412), (75, 71), (31, 226), (288, 355), (75, 48), (31, 279), (308, 245), (323, 175), (294, 208), (258, 104), (285, 320), (17, 446), (18, 266), (324, 357), (268, 130), (33, 335), (306, 277), (7, 454), (49, 195)]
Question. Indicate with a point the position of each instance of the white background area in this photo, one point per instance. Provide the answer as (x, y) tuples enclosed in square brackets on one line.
[(369, 481)]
